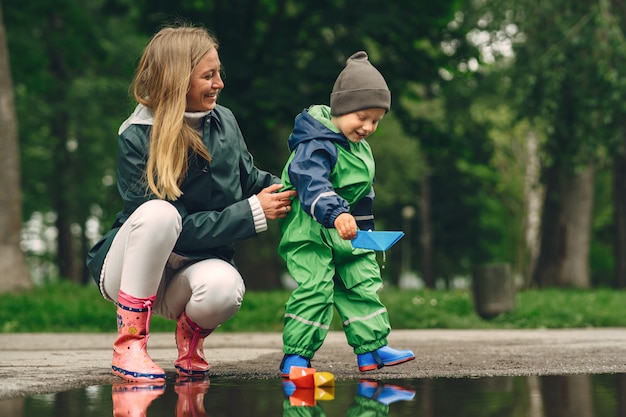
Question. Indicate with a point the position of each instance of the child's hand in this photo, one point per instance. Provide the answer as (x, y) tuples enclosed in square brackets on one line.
[(346, 226)]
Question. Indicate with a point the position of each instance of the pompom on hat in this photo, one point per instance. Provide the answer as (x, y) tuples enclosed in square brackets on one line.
[(359, 86)]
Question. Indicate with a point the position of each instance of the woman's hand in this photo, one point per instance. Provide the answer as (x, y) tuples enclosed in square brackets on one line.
[(275, 205), (346, 226)]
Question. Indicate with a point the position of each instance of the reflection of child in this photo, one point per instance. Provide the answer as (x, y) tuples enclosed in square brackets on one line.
[(332, 169)]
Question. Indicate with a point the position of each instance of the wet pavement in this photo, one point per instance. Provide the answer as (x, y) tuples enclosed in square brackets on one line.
[(47, 363)]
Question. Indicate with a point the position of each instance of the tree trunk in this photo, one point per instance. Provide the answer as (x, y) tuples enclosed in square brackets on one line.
[(13, 271), (565, 229), (619, 216), (62, 193), (426, 235), (62, 186), (532, 214)]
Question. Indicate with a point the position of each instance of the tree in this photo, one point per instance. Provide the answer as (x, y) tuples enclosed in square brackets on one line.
[(566, 81), (71, 92), (464, 218), (619, 197), (568, 77), (565, 87), (12, 264), (615, 22)]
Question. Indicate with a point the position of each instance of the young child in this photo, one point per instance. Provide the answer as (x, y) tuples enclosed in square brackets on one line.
[(331, 167)]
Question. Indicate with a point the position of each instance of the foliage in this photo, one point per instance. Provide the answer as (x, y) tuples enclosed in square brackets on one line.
[(571, 76), (66, 307), (73, 64), (565, 79), (466, 130), (462, 105), (280, 57), (71, 76)]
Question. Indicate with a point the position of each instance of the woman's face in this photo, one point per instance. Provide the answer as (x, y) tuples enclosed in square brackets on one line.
[(205, 83)]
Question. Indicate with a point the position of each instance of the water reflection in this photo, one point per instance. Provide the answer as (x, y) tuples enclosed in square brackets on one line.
[(190, 401), (546, 396), (134, 399), (370, 394)]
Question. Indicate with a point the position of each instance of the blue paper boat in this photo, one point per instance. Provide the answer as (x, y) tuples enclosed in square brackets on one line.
[(380, 241)]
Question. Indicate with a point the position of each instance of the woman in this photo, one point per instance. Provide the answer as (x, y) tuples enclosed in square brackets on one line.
[(190, 190)]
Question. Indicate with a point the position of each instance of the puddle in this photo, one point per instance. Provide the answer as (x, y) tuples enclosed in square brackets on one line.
[(545, 396)]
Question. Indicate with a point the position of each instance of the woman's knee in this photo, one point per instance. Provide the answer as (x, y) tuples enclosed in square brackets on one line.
[(218, 284), (157, 217), (217, 292)]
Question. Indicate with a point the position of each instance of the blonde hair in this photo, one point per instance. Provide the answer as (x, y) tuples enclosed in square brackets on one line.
[(161, 83)]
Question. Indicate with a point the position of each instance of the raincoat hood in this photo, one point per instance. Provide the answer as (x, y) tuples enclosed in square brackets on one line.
[(315, 123)]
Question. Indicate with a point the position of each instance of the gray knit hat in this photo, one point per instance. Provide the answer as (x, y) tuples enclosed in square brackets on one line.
[(359, 86)]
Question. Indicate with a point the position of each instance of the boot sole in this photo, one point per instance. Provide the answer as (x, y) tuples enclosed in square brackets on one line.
[(134, 376), (374, 366), (369, 368), (185, 372)]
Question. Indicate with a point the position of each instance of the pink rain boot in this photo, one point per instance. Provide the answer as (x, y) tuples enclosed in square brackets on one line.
[(189, 339), (130, 355)]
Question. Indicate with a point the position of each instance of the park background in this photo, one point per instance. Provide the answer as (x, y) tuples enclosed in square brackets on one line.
[(505, 143)]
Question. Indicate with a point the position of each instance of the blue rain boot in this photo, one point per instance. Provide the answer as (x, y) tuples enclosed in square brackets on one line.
[(293, 360), (384, 393), (384, 356)]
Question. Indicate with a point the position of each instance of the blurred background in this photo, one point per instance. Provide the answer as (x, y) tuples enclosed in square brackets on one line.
[(505, 143)]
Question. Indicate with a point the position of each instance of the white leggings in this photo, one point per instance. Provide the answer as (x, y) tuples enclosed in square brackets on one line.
[(141, 263)]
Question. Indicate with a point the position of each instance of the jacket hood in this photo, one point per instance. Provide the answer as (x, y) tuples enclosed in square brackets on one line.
[(142, 115), (314, 123)]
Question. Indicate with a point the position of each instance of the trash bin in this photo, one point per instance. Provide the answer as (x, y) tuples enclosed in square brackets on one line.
[(493, 289)]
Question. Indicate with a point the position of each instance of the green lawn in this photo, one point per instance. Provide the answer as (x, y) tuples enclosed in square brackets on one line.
[(66, 307)]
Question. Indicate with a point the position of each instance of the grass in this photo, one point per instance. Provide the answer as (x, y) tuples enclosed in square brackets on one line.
[(66, 307)]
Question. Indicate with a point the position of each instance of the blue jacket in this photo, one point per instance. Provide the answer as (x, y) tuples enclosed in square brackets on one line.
[(314, 155)]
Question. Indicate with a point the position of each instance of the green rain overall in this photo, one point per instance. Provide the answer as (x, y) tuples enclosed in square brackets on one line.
[(329, 272)]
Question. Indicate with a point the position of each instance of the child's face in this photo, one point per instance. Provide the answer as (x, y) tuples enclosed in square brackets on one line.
[(358, 125), (205, 83)]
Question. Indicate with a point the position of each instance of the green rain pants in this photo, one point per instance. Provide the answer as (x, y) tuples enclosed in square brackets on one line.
[(330, 273)]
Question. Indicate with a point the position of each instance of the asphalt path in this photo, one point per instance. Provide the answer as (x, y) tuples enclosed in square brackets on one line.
[(53, 362)]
